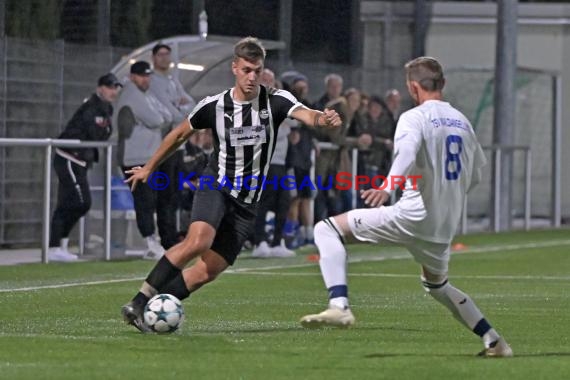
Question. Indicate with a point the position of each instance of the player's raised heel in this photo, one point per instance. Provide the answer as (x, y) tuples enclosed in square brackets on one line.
[(500, 349), (133, 315), (333, 316)]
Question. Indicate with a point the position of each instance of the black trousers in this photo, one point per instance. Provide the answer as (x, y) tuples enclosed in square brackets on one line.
[(73, 198), (164, 202), (274, 198)]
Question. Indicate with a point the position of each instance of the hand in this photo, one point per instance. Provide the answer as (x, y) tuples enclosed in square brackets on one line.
[(137, 174), (364, 141), (332, 118), (389, 144), (374, 197), (294, 137)]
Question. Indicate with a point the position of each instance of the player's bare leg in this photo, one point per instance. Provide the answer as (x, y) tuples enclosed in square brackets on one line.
[(168, 269), (465, 311), (330, 236)]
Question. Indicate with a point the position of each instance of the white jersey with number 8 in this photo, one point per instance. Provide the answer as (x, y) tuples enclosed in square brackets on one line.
[(436, 143)]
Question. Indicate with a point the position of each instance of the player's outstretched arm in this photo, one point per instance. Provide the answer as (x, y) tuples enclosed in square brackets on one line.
[(171, 142), (314, 118)]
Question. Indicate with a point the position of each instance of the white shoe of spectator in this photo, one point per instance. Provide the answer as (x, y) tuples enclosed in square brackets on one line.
[(155, 250), (281, 251), (58, 254), (261, 250)]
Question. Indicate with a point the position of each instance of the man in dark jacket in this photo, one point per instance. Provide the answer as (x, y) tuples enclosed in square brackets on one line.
[(91, 122)]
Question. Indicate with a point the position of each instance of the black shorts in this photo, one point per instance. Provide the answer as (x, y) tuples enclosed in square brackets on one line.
[(233, 220)]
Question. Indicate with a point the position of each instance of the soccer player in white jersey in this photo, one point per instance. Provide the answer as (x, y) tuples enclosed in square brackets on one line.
[(435, 142)]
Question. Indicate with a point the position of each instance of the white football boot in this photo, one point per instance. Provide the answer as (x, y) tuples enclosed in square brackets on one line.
[(498, 349), (332, 316)]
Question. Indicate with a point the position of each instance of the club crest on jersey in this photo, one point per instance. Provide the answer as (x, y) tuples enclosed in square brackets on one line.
[(263, 114)]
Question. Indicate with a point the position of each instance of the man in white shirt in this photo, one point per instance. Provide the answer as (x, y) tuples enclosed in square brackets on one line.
[(435, 143)]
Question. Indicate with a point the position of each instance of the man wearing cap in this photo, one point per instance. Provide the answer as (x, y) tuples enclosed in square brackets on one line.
[(142, 120), (91, 122)]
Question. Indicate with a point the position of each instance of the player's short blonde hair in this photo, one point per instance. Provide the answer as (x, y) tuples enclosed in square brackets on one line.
[(250, 49), (426, 71)]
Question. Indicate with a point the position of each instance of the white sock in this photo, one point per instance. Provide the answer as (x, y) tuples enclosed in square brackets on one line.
[(459, 303), (339, 302), (303, 232), (463, 309), (490, 337), (63, 243), (332, 257), (150, 240), (309, 234)]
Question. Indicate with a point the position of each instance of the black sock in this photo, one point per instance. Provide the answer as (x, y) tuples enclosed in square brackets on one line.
[(176, 287), (140, 299), (162, 273)]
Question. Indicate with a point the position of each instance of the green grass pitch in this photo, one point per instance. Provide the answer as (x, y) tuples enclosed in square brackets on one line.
[(62, 321)]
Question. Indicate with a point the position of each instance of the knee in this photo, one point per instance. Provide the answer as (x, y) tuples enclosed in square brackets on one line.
[(435, 288), (202, 276), (321, 231), (194, 245), (326, 230)]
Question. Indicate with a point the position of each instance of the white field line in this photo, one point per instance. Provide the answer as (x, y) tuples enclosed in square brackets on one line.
[(263, 270)]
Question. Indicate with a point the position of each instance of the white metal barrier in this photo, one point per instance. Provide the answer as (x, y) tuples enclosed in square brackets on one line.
[(48, 144)]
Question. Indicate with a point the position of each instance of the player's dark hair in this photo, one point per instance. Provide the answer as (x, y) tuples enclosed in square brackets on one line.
[(250, 49), (426, 71), (159, 46)]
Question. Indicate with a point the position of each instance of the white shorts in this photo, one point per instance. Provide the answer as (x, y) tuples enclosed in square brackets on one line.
[(378, 225)]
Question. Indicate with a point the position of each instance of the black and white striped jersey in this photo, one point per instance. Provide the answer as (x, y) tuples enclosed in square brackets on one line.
[(244, 135)]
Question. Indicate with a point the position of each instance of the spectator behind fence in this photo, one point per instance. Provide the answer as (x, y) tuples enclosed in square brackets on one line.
[(393, 101), (197, 152), (142, 120), (376, 139), (171, 94), (333, 91), (274, 197), (329, 201), (299, 225), (91, 122)]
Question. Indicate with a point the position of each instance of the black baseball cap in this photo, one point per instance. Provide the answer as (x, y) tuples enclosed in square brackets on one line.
[(141, 68), (109, 80)]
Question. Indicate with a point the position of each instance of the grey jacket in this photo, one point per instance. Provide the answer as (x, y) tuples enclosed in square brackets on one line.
[(169, 91), (141, 121)]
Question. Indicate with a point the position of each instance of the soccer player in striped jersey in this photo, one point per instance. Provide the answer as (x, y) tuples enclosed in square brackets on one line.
[(436, 143), (244, 121)]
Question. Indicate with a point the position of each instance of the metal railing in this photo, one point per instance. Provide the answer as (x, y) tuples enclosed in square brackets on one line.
[(497, 183), (49, 144)]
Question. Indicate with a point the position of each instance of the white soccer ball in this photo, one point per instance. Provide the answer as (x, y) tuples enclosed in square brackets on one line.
[(164, 313)]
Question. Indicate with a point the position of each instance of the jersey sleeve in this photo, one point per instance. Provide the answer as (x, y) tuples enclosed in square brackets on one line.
[(407, 142), (283, 103), (203, 115), (479, 161)]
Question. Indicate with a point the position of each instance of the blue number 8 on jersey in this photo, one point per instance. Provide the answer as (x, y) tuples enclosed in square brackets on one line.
[(454, 156)]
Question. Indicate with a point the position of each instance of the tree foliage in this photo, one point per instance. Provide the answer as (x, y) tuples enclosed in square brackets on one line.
[(34, 19)]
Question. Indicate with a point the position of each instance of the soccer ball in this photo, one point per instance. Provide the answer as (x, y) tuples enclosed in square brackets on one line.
[(164, 313)]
